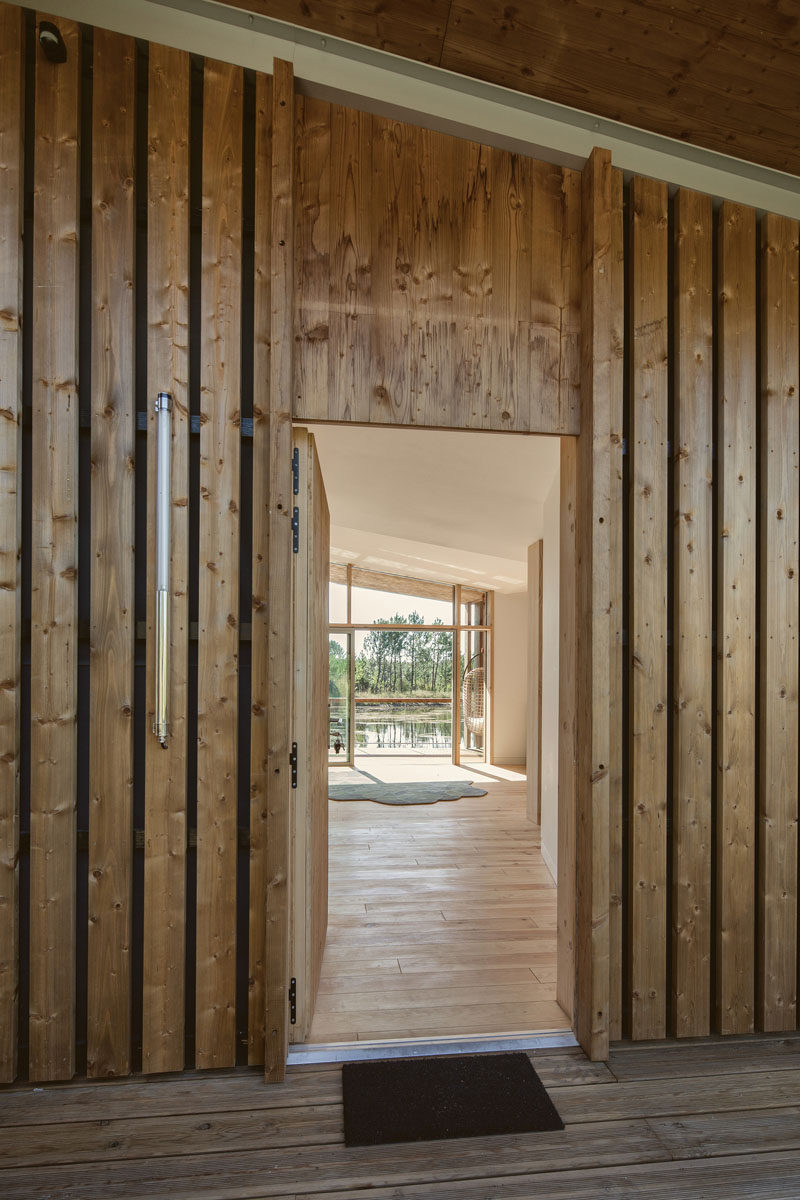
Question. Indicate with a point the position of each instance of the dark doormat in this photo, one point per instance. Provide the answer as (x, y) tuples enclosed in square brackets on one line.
[(464, 1095)]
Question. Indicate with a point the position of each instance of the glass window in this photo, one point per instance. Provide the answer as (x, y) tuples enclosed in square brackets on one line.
[(339, 698), (473, 607), (369, 606), (337, 603)]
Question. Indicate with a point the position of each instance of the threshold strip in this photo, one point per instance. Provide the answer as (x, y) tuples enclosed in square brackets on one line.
[(305, 1053)]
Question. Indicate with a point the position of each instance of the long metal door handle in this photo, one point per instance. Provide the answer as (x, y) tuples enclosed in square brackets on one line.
[(163, 407)]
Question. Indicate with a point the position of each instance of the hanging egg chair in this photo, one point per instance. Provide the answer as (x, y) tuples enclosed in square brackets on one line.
[(473, 697)]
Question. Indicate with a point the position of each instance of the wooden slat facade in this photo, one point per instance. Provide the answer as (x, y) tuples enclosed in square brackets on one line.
[(692, 616), (164, 922), (648, 361), (218, 571), (279, 639), (113, 419), (54, 564), (601, 360), (437, 280), (396, 276), (734, 852), (259, 673), (779, 502), (12, 118)]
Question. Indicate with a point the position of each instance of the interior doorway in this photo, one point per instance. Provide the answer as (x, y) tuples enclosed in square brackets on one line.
[(441, 914)]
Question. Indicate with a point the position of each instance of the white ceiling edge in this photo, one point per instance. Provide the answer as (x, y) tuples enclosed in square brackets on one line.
[(376, 80), (426, 560)]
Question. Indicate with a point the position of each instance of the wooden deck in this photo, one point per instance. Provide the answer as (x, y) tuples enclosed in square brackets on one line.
[(717, 1119), (442, 917)]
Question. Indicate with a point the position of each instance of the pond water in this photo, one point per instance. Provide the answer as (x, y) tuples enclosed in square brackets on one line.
[(399, 728)]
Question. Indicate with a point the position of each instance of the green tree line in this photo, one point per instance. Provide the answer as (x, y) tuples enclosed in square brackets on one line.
[(397, 662)]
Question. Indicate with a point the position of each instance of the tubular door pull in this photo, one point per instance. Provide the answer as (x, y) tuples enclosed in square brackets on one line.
[(163, 408)]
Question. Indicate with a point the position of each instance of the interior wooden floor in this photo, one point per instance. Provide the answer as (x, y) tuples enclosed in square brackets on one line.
[(442, 917), (718, 1120)]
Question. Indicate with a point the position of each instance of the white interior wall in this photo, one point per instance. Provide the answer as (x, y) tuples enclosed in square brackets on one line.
[(550, 643), (510, 677)]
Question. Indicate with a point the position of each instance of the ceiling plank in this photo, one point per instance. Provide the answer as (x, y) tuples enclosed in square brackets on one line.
[(720, 74), (411, 28)]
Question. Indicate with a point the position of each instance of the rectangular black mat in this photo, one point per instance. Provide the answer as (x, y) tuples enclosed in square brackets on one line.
[(455, 1096)]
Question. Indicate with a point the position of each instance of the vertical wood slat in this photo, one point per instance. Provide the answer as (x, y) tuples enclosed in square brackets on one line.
[(218, 611), (349, 215), (164, 928), (548, 215), (112, 536), (736, 621), (12, 118), (312, 275), (54, 565), (390, 337), (567, 747), (647, 817), (569, 396), (616, 732), (259, 729), (601, 363), (778, 712), (692, 614), (279, 440), (569, 372), (512, 295)]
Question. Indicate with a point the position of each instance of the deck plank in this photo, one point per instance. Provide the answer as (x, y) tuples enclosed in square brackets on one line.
[(685, 1123)]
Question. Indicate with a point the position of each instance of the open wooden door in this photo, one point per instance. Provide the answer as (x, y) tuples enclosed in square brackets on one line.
[(309, 885)]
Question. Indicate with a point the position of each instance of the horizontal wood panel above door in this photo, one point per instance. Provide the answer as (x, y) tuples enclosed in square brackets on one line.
[(435, 279)]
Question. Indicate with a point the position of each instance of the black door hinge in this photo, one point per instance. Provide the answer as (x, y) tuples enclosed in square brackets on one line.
[(296, 530), (293, 764), (296, 471), (293, 1001)]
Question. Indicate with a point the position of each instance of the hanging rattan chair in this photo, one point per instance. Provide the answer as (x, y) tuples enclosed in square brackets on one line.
[(473, 697)]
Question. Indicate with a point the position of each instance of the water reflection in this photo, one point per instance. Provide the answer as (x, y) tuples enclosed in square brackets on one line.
[(397, 728)]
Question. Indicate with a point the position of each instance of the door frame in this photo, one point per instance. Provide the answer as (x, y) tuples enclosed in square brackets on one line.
[(590, 741)]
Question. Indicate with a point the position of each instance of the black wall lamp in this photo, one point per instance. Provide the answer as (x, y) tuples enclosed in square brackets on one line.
[(52, 42)]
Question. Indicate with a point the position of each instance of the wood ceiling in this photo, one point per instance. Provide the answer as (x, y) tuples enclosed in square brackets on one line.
[(724, 74)]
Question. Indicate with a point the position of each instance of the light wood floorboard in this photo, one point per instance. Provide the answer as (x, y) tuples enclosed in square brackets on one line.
[(442, 917)]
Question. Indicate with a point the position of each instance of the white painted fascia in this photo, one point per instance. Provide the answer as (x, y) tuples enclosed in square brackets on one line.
[(362, 77)]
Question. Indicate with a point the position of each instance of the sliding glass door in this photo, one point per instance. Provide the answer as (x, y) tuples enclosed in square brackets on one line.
[(409, 667), (340, 725)]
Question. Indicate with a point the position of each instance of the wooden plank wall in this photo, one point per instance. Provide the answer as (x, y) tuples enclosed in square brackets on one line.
[(113, 424), (12, 117), (139, 949), (164, 927), (648, 360), (776, 935), (437, 281), (54, 563), (711, 897), (432, 281), (218, 623), (692, 616)]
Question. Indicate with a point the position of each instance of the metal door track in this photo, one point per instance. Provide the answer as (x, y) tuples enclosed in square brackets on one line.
[(332, 1052)]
